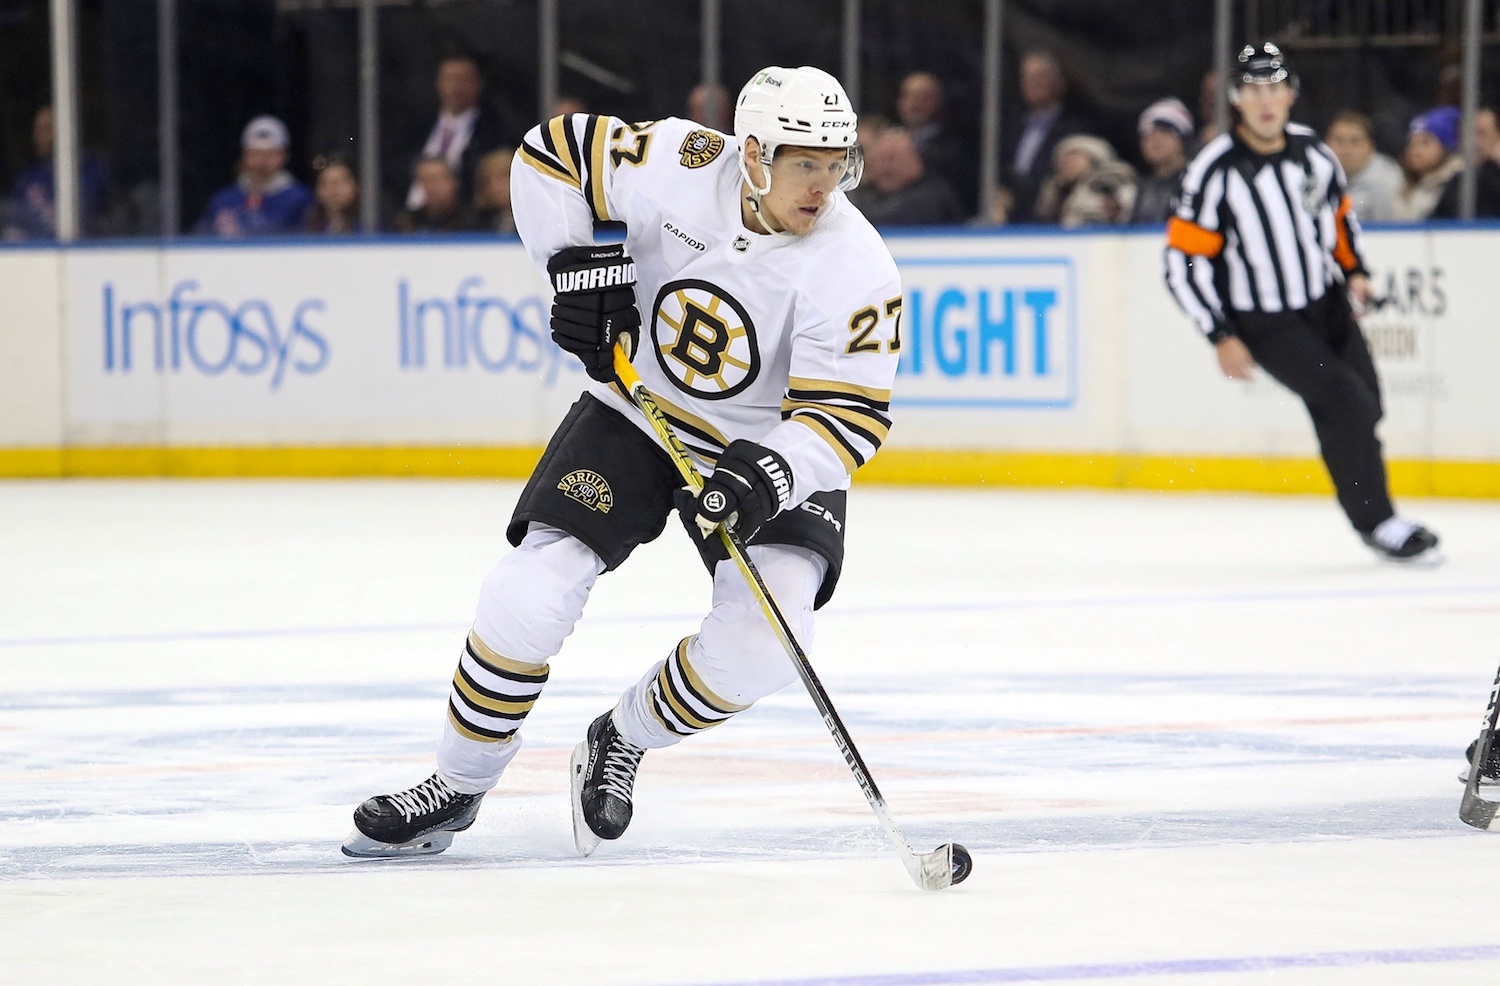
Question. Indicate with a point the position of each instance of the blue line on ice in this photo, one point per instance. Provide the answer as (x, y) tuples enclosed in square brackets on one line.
[(1168, 967), (981, 606)]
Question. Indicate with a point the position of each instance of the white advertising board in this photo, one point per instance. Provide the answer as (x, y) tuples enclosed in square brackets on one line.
[(1010, 342), (387, 343)]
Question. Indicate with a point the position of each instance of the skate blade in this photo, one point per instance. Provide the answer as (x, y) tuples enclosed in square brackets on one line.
[(361, 846), (1431, 558), (1484, 782), (583, 836)]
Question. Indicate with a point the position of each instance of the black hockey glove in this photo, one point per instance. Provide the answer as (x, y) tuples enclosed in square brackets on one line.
[(595, 305), (750, 485)]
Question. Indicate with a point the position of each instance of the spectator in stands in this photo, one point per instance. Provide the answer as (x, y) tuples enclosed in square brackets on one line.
[(921, 107), (1431, 161), (265, 200), (871, 126), (441, 211), (1028, 154), (464, 131), (1165, 128), (32, 214), (492, 192), (1373, 179), (1089, 185), (998, 213), (901, 191), (1486, 174), (335, 208), (711, 106)]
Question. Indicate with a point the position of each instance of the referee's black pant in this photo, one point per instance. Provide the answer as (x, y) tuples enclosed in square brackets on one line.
[(1320, 354)]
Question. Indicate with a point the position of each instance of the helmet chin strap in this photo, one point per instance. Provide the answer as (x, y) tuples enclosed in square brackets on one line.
[(756, 192)]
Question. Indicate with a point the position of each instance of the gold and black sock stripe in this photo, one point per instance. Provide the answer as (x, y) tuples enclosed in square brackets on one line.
[(681, 702), (491, 694)]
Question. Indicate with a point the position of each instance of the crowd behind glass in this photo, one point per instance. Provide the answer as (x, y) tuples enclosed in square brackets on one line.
[(1056, 170)]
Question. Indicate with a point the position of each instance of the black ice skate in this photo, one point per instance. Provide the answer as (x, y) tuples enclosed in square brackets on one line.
[(1489, 771), (1400, 540), (603, 773), (415, 822)]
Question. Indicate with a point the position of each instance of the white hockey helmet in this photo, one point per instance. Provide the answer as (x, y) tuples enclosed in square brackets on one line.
[(798, 107)]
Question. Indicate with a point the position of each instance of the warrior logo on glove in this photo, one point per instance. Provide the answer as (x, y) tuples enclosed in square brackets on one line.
[(750, 485), (594, 306)]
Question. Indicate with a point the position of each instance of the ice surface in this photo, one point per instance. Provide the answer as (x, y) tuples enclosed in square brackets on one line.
[(1188, 739)]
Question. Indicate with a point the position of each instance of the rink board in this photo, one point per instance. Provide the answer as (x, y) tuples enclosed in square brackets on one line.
[(1056, 358)]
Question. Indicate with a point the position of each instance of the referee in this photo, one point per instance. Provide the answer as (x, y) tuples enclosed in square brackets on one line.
[(1262, 238)]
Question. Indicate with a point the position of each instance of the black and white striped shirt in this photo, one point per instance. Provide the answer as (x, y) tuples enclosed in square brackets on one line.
[(1259, 233)]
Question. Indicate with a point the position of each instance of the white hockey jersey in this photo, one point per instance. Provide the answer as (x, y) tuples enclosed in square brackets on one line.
[(791, 342)]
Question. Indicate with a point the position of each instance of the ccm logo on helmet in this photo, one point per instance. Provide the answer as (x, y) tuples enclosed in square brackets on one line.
[(837, 124)]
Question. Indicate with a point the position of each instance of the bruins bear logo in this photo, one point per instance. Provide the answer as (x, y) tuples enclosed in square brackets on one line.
[(700, 147), (704, 340), (588, 488)]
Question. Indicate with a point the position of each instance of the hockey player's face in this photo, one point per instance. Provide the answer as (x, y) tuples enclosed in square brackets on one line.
[(801, 181)]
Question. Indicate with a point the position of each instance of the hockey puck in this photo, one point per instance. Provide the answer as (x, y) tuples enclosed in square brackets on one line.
[(963, 863)]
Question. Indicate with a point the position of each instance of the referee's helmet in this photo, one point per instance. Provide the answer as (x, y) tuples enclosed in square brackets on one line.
[(1261, 65)]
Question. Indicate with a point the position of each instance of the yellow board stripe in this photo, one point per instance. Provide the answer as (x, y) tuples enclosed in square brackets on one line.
[(955, 467), (546, 167)]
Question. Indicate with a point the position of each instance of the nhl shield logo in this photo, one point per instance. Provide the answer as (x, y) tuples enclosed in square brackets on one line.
[(700, 147), (1312, 195), (588, 488)]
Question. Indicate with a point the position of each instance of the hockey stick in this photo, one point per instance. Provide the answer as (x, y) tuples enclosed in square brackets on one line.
[(944, 866), (1474, 810)]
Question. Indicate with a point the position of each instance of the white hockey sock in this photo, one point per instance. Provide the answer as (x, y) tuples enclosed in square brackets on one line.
[(1393, 532)]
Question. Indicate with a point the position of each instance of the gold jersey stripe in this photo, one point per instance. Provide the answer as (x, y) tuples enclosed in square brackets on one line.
[(840, 387), (530, 157), (468, 732), (703, 692), (872, 427), (562, 137), (594, 141), (834, 440), (500, 663)]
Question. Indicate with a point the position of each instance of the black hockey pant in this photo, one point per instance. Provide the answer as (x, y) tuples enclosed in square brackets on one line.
[(1320, 354)]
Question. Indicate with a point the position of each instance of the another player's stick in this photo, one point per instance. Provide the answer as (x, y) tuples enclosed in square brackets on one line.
[(944, 866), (1474, 810)]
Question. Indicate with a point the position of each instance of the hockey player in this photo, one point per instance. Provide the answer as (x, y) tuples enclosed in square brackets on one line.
[(1261, 253), (770, 341)]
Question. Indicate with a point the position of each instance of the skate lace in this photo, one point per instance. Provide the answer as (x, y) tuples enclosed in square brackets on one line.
[(621, 761), (429, 795)]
